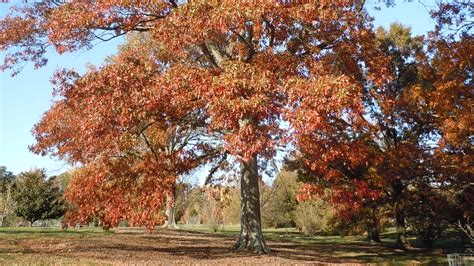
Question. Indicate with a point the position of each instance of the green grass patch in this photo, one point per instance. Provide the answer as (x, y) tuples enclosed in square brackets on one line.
[(39, 232)]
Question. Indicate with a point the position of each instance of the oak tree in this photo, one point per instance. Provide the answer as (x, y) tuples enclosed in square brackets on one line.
[(245, 67), (415, 133)]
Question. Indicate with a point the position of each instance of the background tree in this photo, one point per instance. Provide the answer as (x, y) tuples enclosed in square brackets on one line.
[(183, 191), (464, 202), (6, 202), (278, 201), (450, 70), (215, 199), (64, 179), (36, 197), (193, 213), (401, 140), (467, 228)]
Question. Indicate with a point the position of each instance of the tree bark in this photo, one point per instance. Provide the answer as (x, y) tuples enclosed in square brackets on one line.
[(171, 210), (372, 232), (400, 226), (251, 237), (6, 205), (171, 221)]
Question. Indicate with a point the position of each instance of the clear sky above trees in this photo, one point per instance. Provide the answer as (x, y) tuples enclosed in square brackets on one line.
[(25, 97)]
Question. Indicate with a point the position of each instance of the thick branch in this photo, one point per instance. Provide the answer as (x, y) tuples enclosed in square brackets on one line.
[(215, 168), (248, 44)]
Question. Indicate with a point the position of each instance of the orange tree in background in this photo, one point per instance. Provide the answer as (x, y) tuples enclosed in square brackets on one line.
[(413, 145)]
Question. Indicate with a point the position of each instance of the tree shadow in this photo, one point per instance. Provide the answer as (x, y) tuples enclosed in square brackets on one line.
[(179, 245)]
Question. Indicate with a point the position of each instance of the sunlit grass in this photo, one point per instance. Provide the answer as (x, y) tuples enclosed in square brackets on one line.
[(332, 246), (389, 255), (38, 232)]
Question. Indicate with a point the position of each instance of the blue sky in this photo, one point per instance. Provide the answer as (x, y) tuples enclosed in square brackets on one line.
[(25, 97)]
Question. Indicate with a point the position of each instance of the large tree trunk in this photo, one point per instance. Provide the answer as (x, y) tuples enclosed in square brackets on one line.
[(251, 236), (171, 210)]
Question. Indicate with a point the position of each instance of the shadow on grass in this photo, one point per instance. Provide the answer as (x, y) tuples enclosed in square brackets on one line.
[(138, 245), (335, 249)]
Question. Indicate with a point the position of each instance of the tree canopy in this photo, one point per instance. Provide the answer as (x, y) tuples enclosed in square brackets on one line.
[(230, 83), (36, 197)]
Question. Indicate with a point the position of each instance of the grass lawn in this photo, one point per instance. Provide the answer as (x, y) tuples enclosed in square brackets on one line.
[(356, 247), (91, 246)]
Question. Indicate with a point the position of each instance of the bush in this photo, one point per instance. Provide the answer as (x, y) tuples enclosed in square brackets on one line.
[(313, 216), (429, 216), (355, 226), (12, 221), (370, 220), (427, 231)]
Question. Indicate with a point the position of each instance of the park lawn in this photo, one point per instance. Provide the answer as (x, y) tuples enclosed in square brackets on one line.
[(90, 246), (354, 247)]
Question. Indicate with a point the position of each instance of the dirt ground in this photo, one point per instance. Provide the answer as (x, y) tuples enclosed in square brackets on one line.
[(165, 247)]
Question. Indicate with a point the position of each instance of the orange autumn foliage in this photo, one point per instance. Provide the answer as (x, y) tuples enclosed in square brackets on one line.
[(239, 77), (233, 71)]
